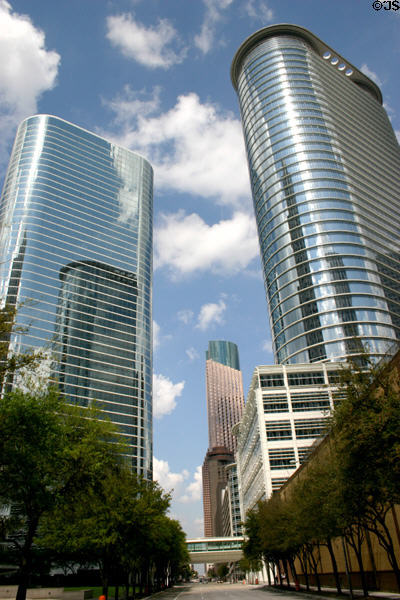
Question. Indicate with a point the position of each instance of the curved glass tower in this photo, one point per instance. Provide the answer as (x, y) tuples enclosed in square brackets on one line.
[(76, 251), (225, 353), (325, 174)]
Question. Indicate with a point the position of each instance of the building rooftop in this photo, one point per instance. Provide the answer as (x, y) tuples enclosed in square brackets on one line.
[(318, 46)]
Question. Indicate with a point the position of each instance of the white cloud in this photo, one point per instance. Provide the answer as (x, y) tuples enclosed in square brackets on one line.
[(156, 335), (259, 10), (185, 243), (267, 345), (159, 338), (210, 314), (165, 393), (397, 132), (205, 39), (184, 489), (165, 477), (149, 46), (131, 105), (199, 524), (371, 74), (27, 70), (185, 315), (193, 491), (194, 148), (192, 353)]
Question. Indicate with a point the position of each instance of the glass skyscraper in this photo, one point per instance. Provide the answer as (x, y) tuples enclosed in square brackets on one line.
[(76, 257), (324, 166), (225, 353)]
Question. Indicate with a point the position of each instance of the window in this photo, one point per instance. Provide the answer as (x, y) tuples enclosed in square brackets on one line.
[(275, 403), (304, 453), (272, 380), (309, 428), (338, 395), (277, 482), (282, 458), (316, 378), (310, 401), (333, 377), (279, 430)]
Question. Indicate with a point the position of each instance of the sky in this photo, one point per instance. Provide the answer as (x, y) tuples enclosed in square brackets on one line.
[(153, 76)]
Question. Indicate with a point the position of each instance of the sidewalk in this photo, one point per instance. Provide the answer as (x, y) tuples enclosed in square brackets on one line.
[(330, 593)]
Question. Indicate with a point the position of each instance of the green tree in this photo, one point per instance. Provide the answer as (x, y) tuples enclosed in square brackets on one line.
[(277, 536), (366, 436), (12, 362), (346, 490), (252, 547), (116, 526), (222, 570), (169, 553), (317, 502), (50, 452), (212, 572)]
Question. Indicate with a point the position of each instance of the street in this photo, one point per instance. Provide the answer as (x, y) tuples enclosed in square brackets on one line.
[(223, 591)]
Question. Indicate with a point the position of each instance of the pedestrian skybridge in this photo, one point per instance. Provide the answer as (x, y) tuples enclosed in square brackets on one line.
[(209, 550)]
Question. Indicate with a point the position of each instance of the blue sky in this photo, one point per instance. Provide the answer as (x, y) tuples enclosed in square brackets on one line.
[(153, 75)]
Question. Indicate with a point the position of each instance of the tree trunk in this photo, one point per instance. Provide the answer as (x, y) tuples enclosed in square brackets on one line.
[(23, 583), (334, 565), (293, 569), (303, 562), (141, 582), (285, 568), (348, 573), (268, 572), (26, 560), (280, 573), (314, 567), (356, 539), (385, 541), (362, 572), (105, 589), (371, 558)]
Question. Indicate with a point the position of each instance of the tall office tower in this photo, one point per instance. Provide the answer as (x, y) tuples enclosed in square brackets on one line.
[(76, 251), (324, 166), (224, 390), (215, 480), (225, 402)]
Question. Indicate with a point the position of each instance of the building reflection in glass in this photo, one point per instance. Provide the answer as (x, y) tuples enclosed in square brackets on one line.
[(95, 341)]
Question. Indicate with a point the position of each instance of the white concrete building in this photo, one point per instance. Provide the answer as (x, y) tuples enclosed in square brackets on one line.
[(286, 411)]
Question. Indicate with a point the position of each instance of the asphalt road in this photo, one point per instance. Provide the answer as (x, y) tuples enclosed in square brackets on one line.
[(223, 591)]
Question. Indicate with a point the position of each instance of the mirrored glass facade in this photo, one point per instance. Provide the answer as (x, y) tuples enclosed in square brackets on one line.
[(225, 353), (324, 166), (76, 251)]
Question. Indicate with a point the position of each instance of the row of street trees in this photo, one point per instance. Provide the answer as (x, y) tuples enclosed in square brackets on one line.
[(346, 490), (68, 497)]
